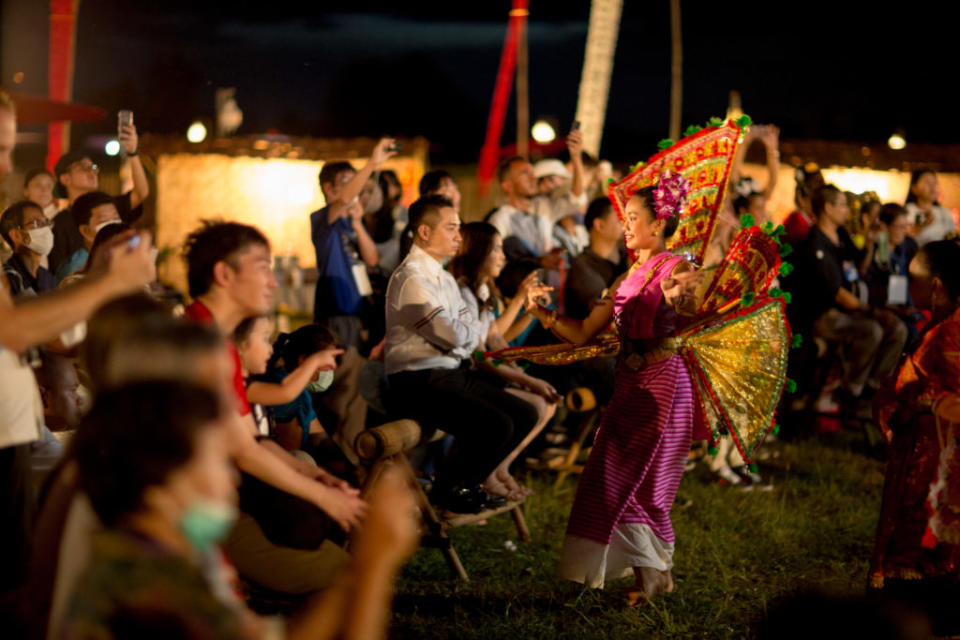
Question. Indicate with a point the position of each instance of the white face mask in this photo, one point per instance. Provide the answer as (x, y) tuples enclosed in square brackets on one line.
[(322, 383), (41, 240), (97, 228)]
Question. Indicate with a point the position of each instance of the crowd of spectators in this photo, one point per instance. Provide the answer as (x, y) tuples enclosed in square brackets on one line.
[(207, 451)]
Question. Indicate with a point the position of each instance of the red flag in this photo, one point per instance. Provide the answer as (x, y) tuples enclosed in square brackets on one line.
[(490, 153)]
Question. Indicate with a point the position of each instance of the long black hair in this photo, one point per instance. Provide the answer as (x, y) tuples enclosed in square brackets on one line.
[(477, 240), (942, 258), (914, 179)]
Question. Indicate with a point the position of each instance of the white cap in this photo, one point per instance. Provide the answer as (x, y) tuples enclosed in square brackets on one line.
[(550, 167)]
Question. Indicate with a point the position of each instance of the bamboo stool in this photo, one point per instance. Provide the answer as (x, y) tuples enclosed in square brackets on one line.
[(386, 446), (580, 401)]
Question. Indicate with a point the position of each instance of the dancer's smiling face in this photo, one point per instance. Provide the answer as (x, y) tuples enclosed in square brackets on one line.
[(641, 229)]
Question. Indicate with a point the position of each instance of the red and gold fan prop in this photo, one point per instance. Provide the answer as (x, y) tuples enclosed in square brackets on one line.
[(737, 350)]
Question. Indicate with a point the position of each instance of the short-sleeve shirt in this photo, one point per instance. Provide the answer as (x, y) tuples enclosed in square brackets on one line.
[(22, 282), (66, 236), (335, 244), (198, 312), (589, 275), (822, 274)]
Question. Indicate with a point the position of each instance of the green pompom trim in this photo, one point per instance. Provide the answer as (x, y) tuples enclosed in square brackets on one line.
[(715, 122), (692, 129), (743, 121), (666, 143), (797, 341), (786, 268), (776, 429), (747, 299), (712, 450), (636, 166), (787, 297), (791, 386), (753, 468), (767, 227), (611, 181), (785, 250), (776, 292), (746, 220)]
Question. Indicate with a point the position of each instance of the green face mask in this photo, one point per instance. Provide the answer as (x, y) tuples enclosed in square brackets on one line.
[(206, 522), (322, 383)]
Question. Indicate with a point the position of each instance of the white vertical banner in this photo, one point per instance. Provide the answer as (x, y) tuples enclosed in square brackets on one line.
[(597, 69)]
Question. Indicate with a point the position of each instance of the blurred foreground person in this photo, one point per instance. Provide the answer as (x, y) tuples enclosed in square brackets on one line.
[(169, 498), (913, 560)]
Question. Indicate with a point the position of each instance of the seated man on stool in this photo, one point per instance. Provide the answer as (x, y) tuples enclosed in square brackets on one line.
[(430, 336)]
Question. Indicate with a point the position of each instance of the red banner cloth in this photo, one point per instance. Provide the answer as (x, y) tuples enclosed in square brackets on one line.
[(490, 154)]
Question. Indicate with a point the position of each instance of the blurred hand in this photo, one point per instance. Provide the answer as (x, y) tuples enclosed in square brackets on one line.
[(679, 289), (355, 212), (543, 389), (129, 139), (380, 153), (129, 268), (347, 510), (535, 295), (531, 285), (326, 478), (326, 360), (390, 533), (575, 144)]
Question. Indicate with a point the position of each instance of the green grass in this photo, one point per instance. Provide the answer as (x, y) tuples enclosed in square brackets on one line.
[(736, 552)]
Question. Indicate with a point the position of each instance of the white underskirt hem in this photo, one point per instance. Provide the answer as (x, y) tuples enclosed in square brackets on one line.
[(631, 545)]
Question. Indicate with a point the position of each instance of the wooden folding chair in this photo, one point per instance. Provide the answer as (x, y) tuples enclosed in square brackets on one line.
[(386, 446)]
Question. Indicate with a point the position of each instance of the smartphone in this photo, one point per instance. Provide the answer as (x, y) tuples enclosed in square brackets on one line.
[(124, 119), (576, 126), (396, 146)]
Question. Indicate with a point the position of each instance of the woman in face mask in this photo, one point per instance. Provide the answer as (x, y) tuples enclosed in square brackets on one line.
[(302, 363), (29, 234), (153, 459)]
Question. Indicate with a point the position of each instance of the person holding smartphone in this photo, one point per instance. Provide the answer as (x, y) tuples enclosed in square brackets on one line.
[(77, 174), (930, 221), (526, 220)]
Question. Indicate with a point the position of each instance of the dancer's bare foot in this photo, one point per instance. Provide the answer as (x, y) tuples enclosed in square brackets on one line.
[(650, 583)]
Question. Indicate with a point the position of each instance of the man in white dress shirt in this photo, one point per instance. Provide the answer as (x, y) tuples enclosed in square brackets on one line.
[(430, 337)]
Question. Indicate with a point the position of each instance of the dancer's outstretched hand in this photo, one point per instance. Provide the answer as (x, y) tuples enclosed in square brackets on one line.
[(679, 290)]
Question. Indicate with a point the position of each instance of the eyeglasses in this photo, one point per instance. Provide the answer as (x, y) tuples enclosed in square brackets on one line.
[(82, 166), (38, 223)]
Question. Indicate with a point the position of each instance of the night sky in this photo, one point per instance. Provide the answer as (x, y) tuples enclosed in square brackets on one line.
[(840, 71)]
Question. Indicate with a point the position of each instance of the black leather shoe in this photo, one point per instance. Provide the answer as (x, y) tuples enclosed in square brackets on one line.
[(460, 500)]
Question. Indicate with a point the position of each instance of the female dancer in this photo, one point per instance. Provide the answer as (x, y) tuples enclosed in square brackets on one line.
[(620, 521), (910, 560), (476, 268)]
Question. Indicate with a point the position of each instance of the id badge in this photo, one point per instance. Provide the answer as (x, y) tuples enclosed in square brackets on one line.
[(897, 290), (361, 279), (850, 272)]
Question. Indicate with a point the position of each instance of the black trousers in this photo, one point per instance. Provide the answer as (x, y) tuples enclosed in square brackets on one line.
[(487, 422), (16, 515)]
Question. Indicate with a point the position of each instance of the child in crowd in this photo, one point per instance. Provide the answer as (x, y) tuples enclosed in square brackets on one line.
[(285, 392)]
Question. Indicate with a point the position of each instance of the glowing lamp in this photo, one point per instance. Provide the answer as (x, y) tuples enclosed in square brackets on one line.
[(543, 132), (197, 133), (112, 148), (897, 142)]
